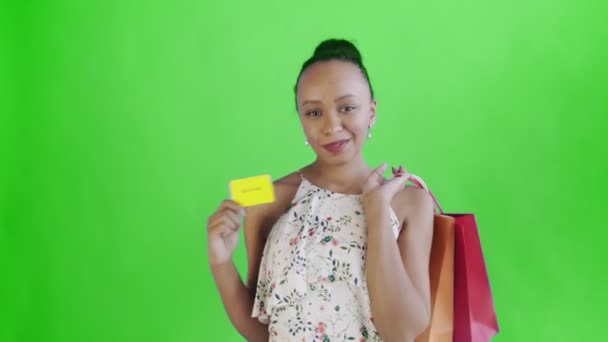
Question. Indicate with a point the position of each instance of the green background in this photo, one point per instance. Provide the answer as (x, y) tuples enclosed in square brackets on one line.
[(123, 121)]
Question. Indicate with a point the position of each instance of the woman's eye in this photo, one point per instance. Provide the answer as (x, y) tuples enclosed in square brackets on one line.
[(313, 113), (348, 108)]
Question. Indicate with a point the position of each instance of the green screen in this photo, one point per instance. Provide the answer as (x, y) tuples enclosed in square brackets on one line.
[(123, 121)]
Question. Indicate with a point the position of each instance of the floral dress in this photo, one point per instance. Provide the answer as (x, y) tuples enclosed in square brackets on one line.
[(312, 284)]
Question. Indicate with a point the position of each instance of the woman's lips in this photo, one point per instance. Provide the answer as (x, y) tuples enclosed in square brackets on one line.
[(336, 146)]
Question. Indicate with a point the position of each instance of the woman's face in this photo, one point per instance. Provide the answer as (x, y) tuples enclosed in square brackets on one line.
[(336, 110)]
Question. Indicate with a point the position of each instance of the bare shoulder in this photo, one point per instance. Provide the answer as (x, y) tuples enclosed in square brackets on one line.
[(285, 190), (413, 203), (290, 182)]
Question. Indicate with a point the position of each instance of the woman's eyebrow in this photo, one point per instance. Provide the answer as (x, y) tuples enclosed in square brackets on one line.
[(343, 97), (310, 101), (335, 100)]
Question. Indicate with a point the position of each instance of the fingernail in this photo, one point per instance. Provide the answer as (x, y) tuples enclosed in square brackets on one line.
[(243, 212)]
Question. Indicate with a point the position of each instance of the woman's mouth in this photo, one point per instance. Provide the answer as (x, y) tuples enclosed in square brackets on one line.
[(336, 146)]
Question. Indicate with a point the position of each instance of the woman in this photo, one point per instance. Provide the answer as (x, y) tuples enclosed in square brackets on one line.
[(343, 253)]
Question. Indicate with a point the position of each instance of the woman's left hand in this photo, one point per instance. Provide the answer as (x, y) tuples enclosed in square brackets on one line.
[(380, 191)]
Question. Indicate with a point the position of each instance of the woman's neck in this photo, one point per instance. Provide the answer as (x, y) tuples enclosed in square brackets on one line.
[(343, 178)]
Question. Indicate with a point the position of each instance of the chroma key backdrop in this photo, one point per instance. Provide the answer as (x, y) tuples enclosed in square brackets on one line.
[(122, 123)]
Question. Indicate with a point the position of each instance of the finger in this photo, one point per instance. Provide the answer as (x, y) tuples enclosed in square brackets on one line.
[(380, 170), (396, 184), (223, 208), (225, 224), (234, 219), (213, 219), (215, 222), (229, 218), (230, 204), (376, 176), (223, 212), (221, 230), (404, 175)]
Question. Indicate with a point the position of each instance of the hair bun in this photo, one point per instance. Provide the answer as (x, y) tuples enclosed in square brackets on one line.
[(338, 48)]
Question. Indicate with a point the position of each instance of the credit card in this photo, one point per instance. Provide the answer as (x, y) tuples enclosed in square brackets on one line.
[(252, 190)]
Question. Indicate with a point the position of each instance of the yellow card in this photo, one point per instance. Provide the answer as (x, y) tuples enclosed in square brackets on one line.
[(252, 191)]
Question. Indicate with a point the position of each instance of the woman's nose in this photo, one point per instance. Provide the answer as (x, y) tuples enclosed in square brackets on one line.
[(332, 124)]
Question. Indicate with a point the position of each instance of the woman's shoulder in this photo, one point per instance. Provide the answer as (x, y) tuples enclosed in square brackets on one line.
[(412, 201), (287, 183), (285, 189)]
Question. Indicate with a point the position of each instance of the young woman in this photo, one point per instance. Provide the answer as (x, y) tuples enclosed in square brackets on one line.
[(343, 253)]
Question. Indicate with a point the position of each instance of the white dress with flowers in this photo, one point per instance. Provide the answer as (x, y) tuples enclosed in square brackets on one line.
[(312, 284)]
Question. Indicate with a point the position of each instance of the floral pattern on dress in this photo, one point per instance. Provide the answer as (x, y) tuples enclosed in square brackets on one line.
[(312, 284)]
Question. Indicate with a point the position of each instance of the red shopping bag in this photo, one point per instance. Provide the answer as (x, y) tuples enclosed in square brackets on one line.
[(474, 312)]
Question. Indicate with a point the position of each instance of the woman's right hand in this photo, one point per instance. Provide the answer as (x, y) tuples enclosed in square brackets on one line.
[(223, 232)]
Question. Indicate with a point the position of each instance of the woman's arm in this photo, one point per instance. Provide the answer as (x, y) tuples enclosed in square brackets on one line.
[(238, 302), (397, 272), (238, 299)]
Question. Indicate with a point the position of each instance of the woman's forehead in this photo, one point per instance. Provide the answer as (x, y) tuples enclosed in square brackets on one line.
[(331, 78)]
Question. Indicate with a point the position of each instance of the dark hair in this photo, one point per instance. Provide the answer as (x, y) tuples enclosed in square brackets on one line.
[(335, 49)]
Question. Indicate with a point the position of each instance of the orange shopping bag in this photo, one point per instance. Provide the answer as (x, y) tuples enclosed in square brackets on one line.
[(471, 317), (441, 271)]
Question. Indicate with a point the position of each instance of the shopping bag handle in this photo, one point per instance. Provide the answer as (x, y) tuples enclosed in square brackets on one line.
[(420, 183)]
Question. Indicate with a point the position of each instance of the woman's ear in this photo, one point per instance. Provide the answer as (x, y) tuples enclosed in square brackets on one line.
[(372, 111)]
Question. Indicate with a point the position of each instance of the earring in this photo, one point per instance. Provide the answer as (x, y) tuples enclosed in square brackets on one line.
[(306, 143), (369, 132)]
